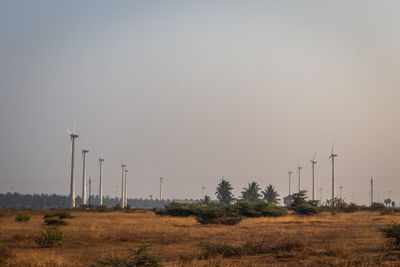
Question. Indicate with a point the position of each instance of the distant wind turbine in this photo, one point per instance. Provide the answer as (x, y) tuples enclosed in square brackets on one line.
[(101, 160), (333, 156), (72, 191), (299, 174), (84, 151), (122, 186), (313, 162), (125, 191), (290, 182)]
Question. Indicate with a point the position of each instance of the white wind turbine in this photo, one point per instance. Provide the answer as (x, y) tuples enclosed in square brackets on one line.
[(125, 191), (299, 174), (84, 151), (101, 160), (313, 162), (333, 156), (290, 182), (122, 186), (72, 188)]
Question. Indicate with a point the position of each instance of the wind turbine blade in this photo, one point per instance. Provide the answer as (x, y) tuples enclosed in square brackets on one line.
[(74, 128), (333, 145), (69, 132), (314, 156)]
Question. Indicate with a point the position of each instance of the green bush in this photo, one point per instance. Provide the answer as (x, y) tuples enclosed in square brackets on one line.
[(259, 208), (209, 214), (392, 232), (177, 209), (140, 257), (51, 221), (376, 206), (59, 214), (1, 213), (306, 209), (350, 208), (50, 237), (22, 218), (117, 207), (225, 250)]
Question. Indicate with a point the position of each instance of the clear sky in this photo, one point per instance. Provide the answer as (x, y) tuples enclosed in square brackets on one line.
[(196, 90)]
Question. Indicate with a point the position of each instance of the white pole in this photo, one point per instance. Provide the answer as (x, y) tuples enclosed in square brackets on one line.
[(126, 197), (72, 191), (84, 177), (122, 187), (101, 182)]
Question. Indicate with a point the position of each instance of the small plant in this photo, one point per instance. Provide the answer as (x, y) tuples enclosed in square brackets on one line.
[(392, 232), (51, 221), (60, 215), (22, 218), (1, 213), (50, 237), (140, 257), (117, 207), (376, 206), (225, 250)]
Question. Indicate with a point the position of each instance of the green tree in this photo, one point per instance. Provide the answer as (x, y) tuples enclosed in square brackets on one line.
[(206, 199), (252, 192), (224, 192), (271, 195)]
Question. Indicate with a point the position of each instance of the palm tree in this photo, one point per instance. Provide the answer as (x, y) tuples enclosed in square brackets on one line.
[(252, 192), (224, 192), (271, 195)]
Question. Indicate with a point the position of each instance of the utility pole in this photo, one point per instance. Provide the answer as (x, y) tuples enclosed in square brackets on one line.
[(122, 186), (340, 190), (161, 186), (116, 191), (12, 189), (372, 190), (203, 188), (101, 181), (320, 193)]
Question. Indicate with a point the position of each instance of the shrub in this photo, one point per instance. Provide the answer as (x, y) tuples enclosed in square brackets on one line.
[(1, 213), (117, 207), (259, 208), (376, 206), (176, 209), (306, 209), (22, 218), (59, 214), (351, 208), (392, 232), (272, 244), (141, 257), (225, 250), (51, 221), (50, 237), (208, 214)]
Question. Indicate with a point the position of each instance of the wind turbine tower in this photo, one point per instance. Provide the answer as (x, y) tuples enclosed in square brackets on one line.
[(72, 191), (299, 174), (333, 156), (313, 162), (290, 182), (125, 191), (84, 151), (161, 187), (122, 186), (101, 160)]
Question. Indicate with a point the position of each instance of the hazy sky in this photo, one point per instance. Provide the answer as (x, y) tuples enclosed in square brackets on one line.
[(196, 90)]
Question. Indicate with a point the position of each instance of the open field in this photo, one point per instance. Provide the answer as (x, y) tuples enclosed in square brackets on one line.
[(343, 239)]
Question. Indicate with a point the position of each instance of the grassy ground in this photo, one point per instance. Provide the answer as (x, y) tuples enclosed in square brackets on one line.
[(322, 240)]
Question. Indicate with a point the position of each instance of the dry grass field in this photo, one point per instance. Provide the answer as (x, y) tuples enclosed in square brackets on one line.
[(326, 239)]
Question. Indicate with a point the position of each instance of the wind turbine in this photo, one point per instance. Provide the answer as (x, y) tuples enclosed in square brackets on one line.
[(84, 151), (122, 186), (299, 173), (101, 160), (126, 197), (72, 192), (313, 162), (333, 156), (290, 182)]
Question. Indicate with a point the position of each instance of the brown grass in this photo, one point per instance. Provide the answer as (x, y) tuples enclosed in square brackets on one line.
[(350, 239)]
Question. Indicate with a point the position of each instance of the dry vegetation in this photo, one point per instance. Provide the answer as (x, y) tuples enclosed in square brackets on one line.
[(352, 239)]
